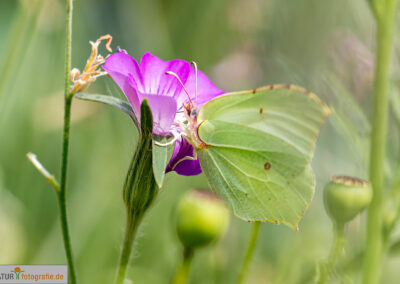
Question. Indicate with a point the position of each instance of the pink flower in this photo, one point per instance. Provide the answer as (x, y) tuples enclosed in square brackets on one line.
[(165, 95)]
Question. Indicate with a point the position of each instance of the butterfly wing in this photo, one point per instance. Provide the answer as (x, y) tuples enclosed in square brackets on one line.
[(260, 144)]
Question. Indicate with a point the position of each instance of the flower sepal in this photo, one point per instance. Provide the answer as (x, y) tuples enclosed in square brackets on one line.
[(140, 188), (111, 101), (162, 152)]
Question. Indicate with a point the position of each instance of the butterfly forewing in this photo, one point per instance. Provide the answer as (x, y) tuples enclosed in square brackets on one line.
[(288, 112), (260, 143)]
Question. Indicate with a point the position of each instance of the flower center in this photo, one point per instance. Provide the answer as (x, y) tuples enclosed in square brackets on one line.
[(186, 115)]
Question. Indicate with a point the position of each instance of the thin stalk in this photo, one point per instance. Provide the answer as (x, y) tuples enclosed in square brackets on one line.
[(49, 177), (64, 158), (336, 251), (182, 273), (249, 253), (373, 254), (62, 193)]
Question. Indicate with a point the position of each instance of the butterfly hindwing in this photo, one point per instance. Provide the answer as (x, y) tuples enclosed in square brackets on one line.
[(260, 144)]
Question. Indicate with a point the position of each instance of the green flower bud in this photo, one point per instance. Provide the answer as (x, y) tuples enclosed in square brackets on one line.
[(140, 188), (345, 197), (202, 219)]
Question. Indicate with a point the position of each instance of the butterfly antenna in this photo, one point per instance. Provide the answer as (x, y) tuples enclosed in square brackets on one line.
[(195, 81), (183, 86)]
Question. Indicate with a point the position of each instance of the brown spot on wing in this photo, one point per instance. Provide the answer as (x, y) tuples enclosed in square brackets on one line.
[(267, 166)]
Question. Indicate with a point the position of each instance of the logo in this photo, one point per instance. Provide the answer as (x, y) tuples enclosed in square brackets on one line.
[(7, 276), (38, 274), (17, 271)]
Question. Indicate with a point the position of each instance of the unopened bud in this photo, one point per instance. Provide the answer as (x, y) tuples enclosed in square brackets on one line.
[(345, 197), (202, 219)]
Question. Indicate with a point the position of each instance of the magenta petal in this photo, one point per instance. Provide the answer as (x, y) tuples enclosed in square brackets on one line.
[(206, 90), (122, 68), (127, 88), (154, 77), (163, 109), (186, 167), (152, 68), (169, 85), (125, 65)]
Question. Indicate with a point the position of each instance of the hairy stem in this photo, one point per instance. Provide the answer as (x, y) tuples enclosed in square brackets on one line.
[(373, 254), (336, 250), (132, 225), (249, 253), (182, 273), (64, 158)]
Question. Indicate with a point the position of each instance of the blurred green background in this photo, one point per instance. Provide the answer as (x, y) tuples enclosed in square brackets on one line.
[(325, 46)]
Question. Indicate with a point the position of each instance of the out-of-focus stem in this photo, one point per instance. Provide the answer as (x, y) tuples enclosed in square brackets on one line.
[(249, 253), (385, 19), (182, 273), (17, 42), (338, 243)]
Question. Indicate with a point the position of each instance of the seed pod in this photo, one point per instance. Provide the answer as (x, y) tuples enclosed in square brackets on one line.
[(345, 197), (202, 219)]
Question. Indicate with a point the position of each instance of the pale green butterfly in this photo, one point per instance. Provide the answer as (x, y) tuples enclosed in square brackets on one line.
[(255, 149)]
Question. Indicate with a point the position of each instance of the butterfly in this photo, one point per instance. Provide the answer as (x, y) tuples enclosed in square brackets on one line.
[(254, 147)]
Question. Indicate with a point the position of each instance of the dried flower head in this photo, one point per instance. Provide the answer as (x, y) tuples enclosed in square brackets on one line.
[(91, 72)]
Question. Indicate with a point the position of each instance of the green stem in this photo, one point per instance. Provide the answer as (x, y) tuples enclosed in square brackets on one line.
[(131, 228), (62, 193), (373, 254), (64, 159), (336, 251), (182, 273), (249, 253)]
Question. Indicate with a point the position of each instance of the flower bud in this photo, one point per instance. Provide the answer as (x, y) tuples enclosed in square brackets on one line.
[(345, 197), (202, 218), (140, 188)]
